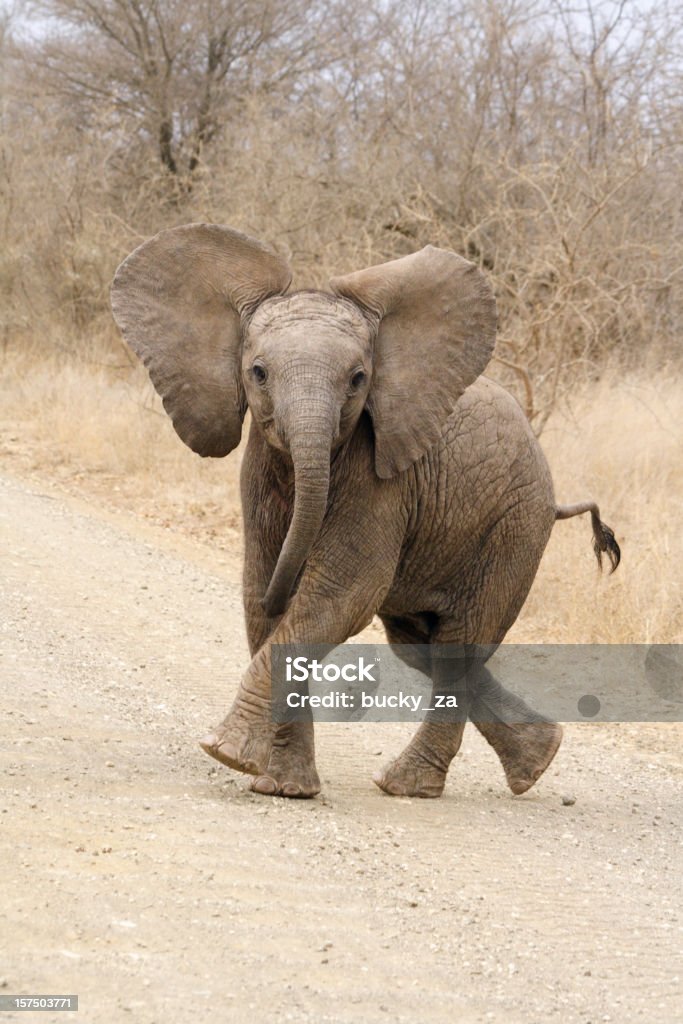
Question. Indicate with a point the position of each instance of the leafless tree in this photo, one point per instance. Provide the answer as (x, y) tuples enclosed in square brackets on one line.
[(541, 138), (169, 72)]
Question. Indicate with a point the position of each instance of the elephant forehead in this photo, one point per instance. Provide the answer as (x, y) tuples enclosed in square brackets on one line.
[(308, 308)]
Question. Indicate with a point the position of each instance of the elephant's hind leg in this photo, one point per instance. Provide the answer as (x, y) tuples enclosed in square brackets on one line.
[(525, 742)]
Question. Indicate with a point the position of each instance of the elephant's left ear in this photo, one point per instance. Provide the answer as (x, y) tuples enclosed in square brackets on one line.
[(437, 329)]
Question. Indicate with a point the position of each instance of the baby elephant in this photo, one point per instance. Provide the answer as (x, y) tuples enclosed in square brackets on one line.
[(383, 475)]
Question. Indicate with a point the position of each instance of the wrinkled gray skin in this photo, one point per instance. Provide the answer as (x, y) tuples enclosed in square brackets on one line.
[(383, 474)]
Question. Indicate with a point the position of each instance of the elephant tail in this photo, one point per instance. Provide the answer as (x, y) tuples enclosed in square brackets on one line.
[(603, 536)]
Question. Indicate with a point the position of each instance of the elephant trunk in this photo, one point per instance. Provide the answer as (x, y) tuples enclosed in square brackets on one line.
[(310, 442)]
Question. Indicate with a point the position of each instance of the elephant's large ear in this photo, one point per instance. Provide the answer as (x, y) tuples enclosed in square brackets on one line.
[(178, 300), (437, 327)]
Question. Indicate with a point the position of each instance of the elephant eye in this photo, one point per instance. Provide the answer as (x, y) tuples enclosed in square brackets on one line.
[(357, 379), (260, 373)]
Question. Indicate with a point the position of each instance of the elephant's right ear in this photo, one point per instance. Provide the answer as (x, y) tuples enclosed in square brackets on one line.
[(178, 300)]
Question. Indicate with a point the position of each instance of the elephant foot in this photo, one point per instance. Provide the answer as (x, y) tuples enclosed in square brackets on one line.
[(525, 750), (411, 774), (291, 770), (241, 743), (296, 781)]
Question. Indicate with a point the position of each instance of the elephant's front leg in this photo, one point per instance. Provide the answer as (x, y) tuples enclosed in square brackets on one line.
[(244, 738), (421, 769), (248, 740), (291, 767), (281, 756), (346, 577)]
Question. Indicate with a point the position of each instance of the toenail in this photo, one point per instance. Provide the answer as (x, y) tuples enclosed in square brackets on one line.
[(264, 785)]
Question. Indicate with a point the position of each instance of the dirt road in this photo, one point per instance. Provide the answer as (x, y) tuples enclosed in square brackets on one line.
[(145, 878)]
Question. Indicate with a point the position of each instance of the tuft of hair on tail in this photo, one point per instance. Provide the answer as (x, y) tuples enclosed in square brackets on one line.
[(604, 541)]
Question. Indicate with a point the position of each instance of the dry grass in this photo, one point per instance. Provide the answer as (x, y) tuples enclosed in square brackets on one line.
[(620, 444), (618, 441), (104, 432)]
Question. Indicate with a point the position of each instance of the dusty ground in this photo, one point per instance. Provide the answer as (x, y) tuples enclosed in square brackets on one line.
[(146, 879)]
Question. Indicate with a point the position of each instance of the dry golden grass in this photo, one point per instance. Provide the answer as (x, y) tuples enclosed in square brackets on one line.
[(104, 432), (619, 441)]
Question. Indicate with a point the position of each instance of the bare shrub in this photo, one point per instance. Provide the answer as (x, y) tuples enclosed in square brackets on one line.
[(538, 139)]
